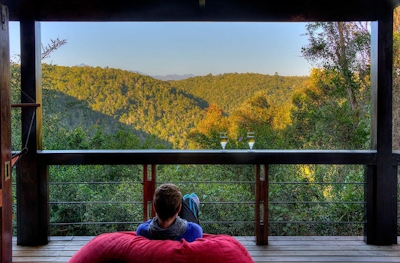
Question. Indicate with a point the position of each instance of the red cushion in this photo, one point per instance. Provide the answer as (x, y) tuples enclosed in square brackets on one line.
[(124, 247)]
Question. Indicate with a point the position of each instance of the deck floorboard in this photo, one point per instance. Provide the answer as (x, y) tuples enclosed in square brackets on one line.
[(280, 249)]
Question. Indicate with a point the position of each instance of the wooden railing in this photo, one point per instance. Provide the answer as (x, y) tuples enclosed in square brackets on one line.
[(256, 157), (84, 157), (375, 196)]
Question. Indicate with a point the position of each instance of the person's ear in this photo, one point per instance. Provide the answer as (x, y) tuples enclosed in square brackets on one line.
[(180, 207)]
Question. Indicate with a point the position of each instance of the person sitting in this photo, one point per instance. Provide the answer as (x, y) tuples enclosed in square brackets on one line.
[(176, 217)]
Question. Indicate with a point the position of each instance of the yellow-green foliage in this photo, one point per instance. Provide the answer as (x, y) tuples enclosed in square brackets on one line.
[(167, 110), (229, 91)]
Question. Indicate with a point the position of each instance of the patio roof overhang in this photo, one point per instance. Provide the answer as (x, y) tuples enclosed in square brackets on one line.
[(198, 10)]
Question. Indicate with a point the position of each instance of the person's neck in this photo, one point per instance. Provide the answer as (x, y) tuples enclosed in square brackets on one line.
[(166, 223)]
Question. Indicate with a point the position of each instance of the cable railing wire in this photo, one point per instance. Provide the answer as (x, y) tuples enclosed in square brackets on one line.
[(272, 201)]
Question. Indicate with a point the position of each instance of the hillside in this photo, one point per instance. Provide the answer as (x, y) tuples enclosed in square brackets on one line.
[(146, 105), (107, 97), (64, 114), (229, 91)]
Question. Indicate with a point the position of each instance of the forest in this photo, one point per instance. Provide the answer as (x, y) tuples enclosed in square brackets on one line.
[(107, 108)]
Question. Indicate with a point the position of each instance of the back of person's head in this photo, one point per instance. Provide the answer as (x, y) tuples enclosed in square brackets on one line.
[(167, 200)]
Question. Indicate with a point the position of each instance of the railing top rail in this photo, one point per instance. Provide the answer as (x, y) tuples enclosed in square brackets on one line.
[(87, 157)]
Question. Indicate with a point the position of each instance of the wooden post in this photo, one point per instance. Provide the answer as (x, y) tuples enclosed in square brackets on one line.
[(5, 141), (261, 209), (149, 184), (381, 196), (32, 189)]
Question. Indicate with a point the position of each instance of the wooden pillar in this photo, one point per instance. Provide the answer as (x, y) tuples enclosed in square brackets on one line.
[(261, 209), (149, 186), (5, 141), (32, 189), (381, 196)]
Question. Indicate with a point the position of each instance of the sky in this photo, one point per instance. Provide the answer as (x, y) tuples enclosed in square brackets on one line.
[(164, 48)]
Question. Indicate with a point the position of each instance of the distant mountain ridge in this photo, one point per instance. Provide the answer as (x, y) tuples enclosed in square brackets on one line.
[(173, 77), (83, 65), (159, 77)]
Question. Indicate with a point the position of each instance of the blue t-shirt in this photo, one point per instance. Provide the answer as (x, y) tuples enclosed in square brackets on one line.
[(193, 231)]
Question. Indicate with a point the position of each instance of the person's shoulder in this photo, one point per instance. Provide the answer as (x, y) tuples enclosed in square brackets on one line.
[(192, 224), (193, 227), (193, 231), (145, 224), (143, 228)]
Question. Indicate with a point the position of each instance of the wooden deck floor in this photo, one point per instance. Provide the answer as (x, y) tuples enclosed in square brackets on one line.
[(280, 249)]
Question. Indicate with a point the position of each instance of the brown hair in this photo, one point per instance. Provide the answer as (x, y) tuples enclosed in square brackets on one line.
[(167, 200)]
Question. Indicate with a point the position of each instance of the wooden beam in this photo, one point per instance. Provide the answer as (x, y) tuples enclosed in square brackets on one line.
[(25, 105), (261, 205), (149, 186), (381, 227), (190, 10), (32, 194), (5, 141), (85, 157)]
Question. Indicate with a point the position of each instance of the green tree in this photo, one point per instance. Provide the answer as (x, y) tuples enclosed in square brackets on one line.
[(342, 47), (322, 117), (230, 90), (261, 115), (396, 79), (206, 133), (342, 50), (15, 85)]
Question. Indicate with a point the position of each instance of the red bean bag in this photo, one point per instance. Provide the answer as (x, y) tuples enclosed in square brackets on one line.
[(126, 247)]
